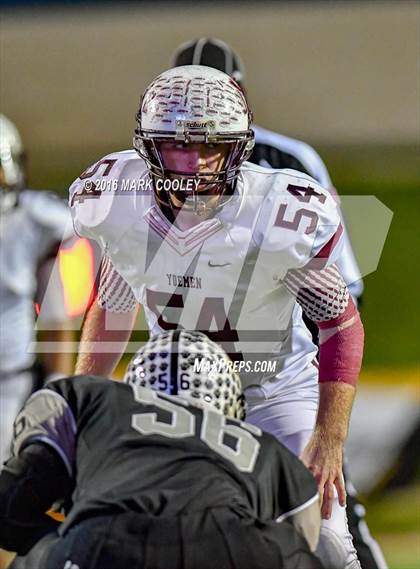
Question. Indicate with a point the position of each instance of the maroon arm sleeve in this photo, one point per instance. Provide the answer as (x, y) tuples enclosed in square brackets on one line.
[(324, 298)]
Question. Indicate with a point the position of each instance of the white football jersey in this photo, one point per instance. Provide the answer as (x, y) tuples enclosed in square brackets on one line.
[(315, 167), (225, 275), (27, 234)]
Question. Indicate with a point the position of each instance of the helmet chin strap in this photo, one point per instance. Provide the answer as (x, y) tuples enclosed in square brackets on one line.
[(199, 204), (195, 202)]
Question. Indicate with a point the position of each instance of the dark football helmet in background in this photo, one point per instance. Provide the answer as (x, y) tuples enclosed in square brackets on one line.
[(212, 52)]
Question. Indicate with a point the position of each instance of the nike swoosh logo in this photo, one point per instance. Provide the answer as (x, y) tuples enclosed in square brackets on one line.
[(217, 265)]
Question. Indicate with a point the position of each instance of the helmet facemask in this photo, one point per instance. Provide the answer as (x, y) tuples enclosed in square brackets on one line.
[(201, 190)]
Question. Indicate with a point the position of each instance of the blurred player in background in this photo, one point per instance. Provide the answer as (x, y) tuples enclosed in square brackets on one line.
[(157, 480), (31, 229), (207, 241), (275, 150)]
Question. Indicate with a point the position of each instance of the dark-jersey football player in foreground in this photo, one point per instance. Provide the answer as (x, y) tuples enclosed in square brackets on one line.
[(158, 472)]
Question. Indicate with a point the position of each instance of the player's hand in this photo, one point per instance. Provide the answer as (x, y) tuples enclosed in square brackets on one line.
[(323, 455)]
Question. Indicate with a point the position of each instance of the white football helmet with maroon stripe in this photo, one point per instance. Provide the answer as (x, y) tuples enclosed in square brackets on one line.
[(194, 104)]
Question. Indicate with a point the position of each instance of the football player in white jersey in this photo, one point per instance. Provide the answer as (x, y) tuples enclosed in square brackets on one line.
[(206, 241), (271, 149), (275, 150), (31, 229)]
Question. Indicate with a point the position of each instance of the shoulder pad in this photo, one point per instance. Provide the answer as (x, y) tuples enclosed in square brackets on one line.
[(47, 418), (74, 387), (297, 219), (105, 189)]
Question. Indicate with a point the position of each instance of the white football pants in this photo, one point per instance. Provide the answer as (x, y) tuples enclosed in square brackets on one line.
[(290, 417)]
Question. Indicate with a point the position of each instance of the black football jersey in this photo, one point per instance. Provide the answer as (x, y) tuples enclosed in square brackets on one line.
[(273, 157), (130, 448)]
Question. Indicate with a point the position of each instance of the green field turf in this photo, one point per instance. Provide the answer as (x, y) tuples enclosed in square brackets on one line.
[(390, 314), (394, 520), (391, 300)]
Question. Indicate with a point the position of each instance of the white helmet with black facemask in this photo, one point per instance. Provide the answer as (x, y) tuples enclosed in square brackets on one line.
[(202, 113)]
